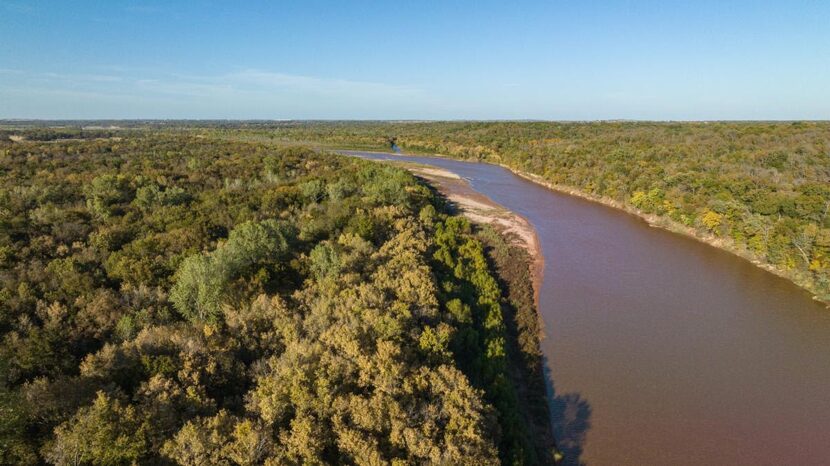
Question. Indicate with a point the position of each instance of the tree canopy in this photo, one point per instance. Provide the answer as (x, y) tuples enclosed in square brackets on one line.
[(173, 299)]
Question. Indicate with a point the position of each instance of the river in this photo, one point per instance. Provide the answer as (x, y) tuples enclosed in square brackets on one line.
[(662, 350)]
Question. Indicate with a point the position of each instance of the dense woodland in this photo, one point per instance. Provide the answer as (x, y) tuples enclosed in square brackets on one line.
[(760, 189), (168, 297)]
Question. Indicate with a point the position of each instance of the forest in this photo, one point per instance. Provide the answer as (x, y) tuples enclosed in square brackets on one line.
[(758, 189), (172, 295)]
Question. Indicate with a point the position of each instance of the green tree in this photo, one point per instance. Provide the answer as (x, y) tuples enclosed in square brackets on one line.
[(105, 193), (105, 433)]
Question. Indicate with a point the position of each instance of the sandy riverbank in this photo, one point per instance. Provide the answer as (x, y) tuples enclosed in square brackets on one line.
[(483, 210)]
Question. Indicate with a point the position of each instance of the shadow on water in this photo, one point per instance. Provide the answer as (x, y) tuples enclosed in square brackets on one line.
[(571, 418)]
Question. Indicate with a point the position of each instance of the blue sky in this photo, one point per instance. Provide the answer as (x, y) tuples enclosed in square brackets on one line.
[(561, 60)]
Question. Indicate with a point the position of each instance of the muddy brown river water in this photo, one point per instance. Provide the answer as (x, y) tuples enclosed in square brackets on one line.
[(662, 350)]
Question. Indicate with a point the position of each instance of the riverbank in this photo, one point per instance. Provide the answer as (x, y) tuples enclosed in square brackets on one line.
[(515, 255), (512, 266), (657, 221), (480, 209)]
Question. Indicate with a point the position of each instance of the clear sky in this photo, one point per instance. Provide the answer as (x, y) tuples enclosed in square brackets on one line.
[(562, 60)]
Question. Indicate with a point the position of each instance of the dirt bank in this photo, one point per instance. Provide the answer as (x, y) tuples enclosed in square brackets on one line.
[(527, 372), (658, 221)]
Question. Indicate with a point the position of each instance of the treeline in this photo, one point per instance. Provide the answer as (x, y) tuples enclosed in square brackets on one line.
[(57, 134), (761, 189), (171, 299)]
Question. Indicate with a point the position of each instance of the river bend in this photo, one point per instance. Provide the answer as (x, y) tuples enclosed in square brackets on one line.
[(662, 350)]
